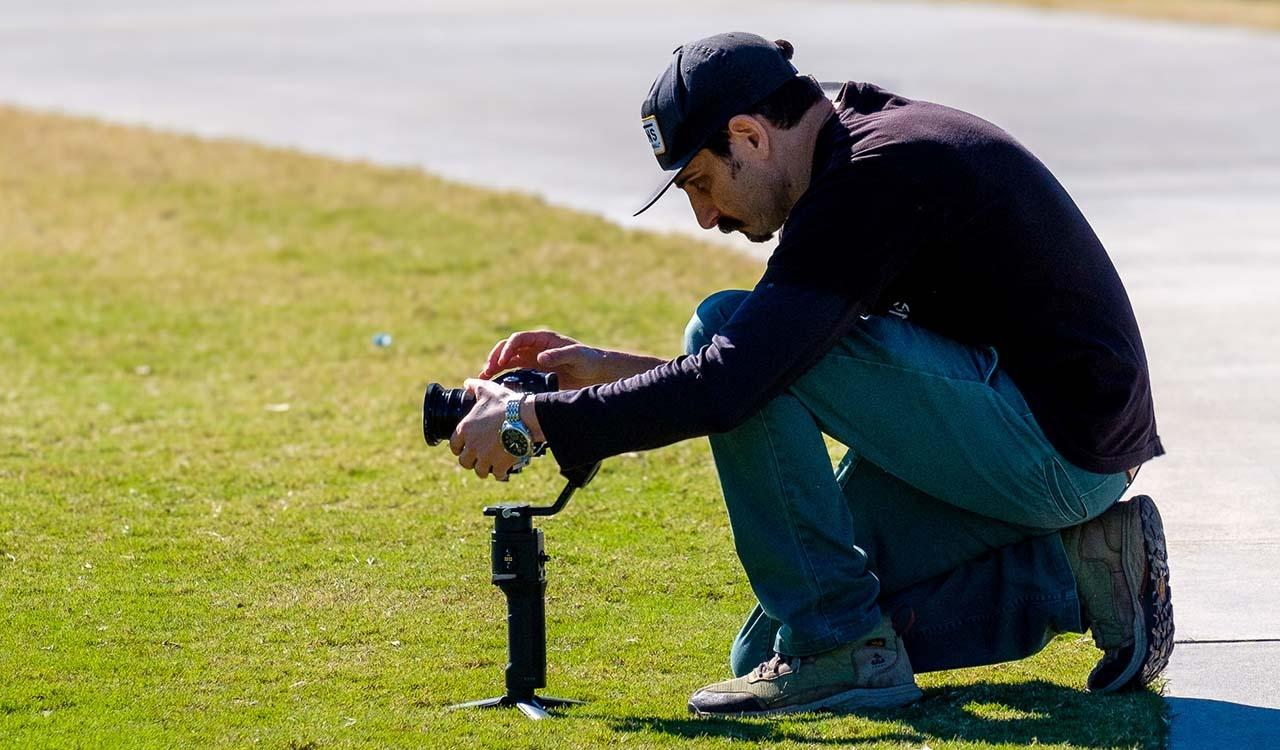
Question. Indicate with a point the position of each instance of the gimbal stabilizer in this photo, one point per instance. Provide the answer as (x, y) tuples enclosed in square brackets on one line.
[(519, 570)]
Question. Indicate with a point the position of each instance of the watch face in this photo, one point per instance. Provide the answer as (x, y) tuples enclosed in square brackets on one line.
[(515, 442)]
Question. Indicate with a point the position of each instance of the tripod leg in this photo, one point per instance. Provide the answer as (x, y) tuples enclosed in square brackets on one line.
[(533, 709), (483, 703)]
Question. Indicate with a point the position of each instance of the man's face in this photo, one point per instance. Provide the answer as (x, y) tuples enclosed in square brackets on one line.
[(732, 195)]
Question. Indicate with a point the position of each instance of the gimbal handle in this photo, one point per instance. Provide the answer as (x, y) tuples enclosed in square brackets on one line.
[(578, 477)]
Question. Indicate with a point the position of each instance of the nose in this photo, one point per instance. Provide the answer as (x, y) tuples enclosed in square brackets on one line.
[(706, 213)]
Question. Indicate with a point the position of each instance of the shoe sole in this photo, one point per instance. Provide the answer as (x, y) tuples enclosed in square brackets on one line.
[(1153, 608), (846, 702)]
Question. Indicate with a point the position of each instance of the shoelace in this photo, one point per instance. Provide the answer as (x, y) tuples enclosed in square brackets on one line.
[(772, 667)]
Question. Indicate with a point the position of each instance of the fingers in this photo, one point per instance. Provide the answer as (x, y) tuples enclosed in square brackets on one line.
[(471, 460), (518, 343), (488, 388), (501, 354), (492, 470), (521, 350), (491, 366)]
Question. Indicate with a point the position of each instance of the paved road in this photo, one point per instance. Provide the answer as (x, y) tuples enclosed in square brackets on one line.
[(1166, 134)]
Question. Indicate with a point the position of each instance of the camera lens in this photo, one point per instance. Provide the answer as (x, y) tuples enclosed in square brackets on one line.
[(442, 410)]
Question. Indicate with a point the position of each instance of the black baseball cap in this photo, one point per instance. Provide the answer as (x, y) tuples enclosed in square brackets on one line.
[(708, 82)]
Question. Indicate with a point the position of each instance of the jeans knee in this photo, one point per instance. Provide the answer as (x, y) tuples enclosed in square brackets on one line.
[(710, 317), (1077, 495)]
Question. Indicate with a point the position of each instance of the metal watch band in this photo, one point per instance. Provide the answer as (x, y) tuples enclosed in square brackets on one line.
[(513, 409), (513, 422)]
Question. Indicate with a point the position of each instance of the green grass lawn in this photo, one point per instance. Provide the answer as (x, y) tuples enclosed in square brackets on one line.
[(219, 526)]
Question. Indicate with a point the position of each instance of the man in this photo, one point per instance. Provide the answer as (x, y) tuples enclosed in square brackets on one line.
[(938, 304)]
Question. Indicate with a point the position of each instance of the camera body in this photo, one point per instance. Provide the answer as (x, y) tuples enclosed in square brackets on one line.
[(443, 408)]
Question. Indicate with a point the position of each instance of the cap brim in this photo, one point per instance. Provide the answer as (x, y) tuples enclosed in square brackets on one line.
[(668, 178)]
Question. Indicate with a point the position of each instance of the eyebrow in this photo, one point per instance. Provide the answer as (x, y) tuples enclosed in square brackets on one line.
[(681, 179)]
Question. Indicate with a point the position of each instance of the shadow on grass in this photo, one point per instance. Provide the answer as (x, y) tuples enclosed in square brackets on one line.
[(1023, 713)]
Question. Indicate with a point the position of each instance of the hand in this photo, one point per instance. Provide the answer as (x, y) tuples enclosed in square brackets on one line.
[(577, 366), (475, 441)]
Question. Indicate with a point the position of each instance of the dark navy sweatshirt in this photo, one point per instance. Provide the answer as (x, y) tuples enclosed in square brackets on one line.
[(934, 214)]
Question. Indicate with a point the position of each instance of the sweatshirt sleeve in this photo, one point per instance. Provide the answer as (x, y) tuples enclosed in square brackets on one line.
[(778, 332)]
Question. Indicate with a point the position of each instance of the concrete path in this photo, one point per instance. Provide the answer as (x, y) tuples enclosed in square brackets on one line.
[(1166, 134)]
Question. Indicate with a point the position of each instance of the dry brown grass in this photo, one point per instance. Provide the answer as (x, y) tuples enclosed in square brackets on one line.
[(1264, 14)]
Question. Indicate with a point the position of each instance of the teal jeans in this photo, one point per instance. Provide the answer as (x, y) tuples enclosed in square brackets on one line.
[(943, 512)]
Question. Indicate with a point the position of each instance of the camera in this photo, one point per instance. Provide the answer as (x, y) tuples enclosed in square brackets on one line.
[(443, 408)]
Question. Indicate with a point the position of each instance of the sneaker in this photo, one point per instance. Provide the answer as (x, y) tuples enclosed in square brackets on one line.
[(1122, 576), (871, 672)]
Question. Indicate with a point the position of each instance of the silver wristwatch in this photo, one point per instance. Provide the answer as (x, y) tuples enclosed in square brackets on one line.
[(516, 438)]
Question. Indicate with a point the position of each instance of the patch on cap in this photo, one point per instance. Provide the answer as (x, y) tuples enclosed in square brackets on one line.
[(650, 125)]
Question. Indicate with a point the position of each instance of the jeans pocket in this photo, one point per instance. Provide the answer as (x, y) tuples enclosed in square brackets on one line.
[(1066, 499)]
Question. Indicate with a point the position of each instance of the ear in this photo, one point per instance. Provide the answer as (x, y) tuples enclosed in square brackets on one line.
[(749, 133)]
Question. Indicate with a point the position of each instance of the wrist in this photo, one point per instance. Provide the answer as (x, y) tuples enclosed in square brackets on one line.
[(529, 415)]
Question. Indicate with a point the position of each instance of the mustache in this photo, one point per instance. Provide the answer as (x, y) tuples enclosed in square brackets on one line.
[(728, 224)]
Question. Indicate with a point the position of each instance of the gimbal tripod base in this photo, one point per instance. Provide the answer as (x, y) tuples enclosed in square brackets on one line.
[(518, 558), (535, 707)]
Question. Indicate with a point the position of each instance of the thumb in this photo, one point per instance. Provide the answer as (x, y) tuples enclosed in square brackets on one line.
[(554, 357), (480, 386)]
